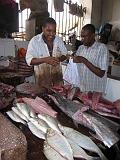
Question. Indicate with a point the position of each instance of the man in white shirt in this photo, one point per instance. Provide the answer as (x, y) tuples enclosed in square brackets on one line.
[(45, 51), (92, 59)]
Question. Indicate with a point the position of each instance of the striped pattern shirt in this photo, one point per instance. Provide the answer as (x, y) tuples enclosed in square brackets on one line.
[(97, 54)]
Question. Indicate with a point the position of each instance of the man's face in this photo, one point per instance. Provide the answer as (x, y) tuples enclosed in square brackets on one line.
[(87, 37), (49, 31)]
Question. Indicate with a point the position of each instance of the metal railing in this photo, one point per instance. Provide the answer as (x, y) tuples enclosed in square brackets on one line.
[(67, 23)]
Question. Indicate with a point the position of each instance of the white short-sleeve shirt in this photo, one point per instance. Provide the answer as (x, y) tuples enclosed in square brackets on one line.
[(37, 48), (97, 54)]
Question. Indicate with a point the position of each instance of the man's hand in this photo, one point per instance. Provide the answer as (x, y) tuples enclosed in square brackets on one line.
[(51, 60)]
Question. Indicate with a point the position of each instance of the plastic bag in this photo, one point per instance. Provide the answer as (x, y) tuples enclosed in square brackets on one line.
[(71, 74)]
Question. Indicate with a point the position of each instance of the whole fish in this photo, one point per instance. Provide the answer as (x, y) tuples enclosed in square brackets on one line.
[(103, 127), (52, 122), (15, 117), (78, 152), (40, 124), (19, 113), (37, 132), (59, 143), (51, 153), (40, 106), (24, 108), (81, 140)]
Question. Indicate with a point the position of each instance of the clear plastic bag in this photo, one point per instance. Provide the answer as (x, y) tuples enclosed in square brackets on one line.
[(71, 74)]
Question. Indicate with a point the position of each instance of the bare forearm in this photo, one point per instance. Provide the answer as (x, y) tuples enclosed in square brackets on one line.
[(37, 61), (100, 73)]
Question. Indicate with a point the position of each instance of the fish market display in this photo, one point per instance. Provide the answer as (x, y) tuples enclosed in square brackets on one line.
[(99, 104), (93, 99), (59, 143), (37, 132), (81, 140), (40, 124), (78, 152), (52, 122), (19, 113), (15, 117), (104, 129), (51, 153), (40, 106)]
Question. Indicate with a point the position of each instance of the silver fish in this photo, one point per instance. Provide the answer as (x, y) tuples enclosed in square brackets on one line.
[(19, 113), (51, 153), (38, 133), (24, 108), (40, 124), (52, 122), (81, 140), (105, 129), (15, 117), (59, 143), (78, 152)]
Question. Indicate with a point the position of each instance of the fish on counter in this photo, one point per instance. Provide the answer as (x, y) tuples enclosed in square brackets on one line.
[(52, 122), (40, 124), (37, 132), (51, 153), (76, 138), (15, 117), (99, 104), (40, 106), (78, 152), (59, 143), (19, 113), (102, 127)]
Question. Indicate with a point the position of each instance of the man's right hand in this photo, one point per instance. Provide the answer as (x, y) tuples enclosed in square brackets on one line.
[(51, 60)]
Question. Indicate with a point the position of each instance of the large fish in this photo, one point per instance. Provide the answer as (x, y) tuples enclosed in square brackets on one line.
[(59, 143), (40, 106), (15, 117), (19, 113), (26, 110), (37, 132), (82, 115), (51, 153), (40, 124), (81, 140), (52, 122), (78, 152)]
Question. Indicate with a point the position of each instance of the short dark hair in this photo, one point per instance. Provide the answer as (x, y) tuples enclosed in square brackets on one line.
[(49, 20), (89, 27)]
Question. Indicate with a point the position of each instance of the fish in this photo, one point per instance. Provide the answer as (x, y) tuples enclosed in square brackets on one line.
[(38, 133), (19, 113), (52, 122), (78, 152), (81, 140), (40, 106), (59, 143), (50, 153), (105, 130), (25, 109), (72, 92), (15, 117), (40, 124)]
